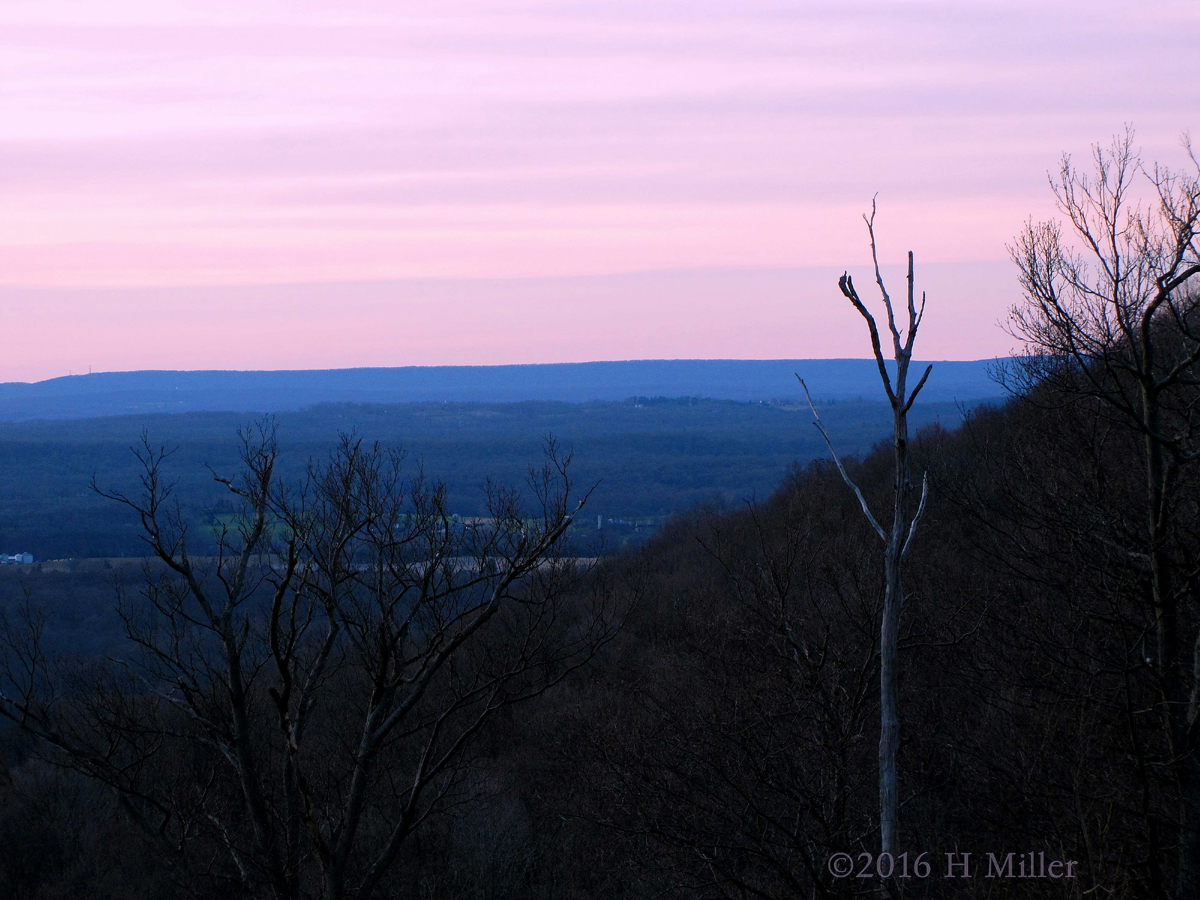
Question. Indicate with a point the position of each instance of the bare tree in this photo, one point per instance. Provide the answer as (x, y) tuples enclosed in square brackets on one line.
[(1111, 319), (301, 703), (898, 536)]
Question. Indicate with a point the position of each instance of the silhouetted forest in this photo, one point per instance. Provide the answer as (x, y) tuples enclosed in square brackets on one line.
[(721, 742)]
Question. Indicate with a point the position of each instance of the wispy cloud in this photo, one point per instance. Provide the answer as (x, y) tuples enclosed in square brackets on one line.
[(249, 143)]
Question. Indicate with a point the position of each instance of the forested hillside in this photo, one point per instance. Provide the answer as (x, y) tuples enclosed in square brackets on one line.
[(721, 742), (648, 457)]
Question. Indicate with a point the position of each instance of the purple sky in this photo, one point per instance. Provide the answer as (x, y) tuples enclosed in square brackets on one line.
[(311, 184)]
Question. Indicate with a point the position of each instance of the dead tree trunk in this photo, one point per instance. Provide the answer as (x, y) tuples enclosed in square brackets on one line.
[(898, 537)]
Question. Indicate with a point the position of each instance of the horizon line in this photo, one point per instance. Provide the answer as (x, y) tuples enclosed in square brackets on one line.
[(588, 362)]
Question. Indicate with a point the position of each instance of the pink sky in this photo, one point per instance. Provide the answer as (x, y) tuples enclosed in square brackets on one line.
[(313, 184)]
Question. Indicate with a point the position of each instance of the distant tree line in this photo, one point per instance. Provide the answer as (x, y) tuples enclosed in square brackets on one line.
[(653, 459)]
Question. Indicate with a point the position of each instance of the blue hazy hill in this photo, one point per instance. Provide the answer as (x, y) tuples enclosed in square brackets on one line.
[(131, 393)]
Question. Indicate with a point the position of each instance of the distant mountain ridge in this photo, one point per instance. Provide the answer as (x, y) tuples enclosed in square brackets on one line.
[(146, 392)]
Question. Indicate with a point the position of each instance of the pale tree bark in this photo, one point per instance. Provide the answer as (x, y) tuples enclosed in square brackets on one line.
[(897, 537)]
